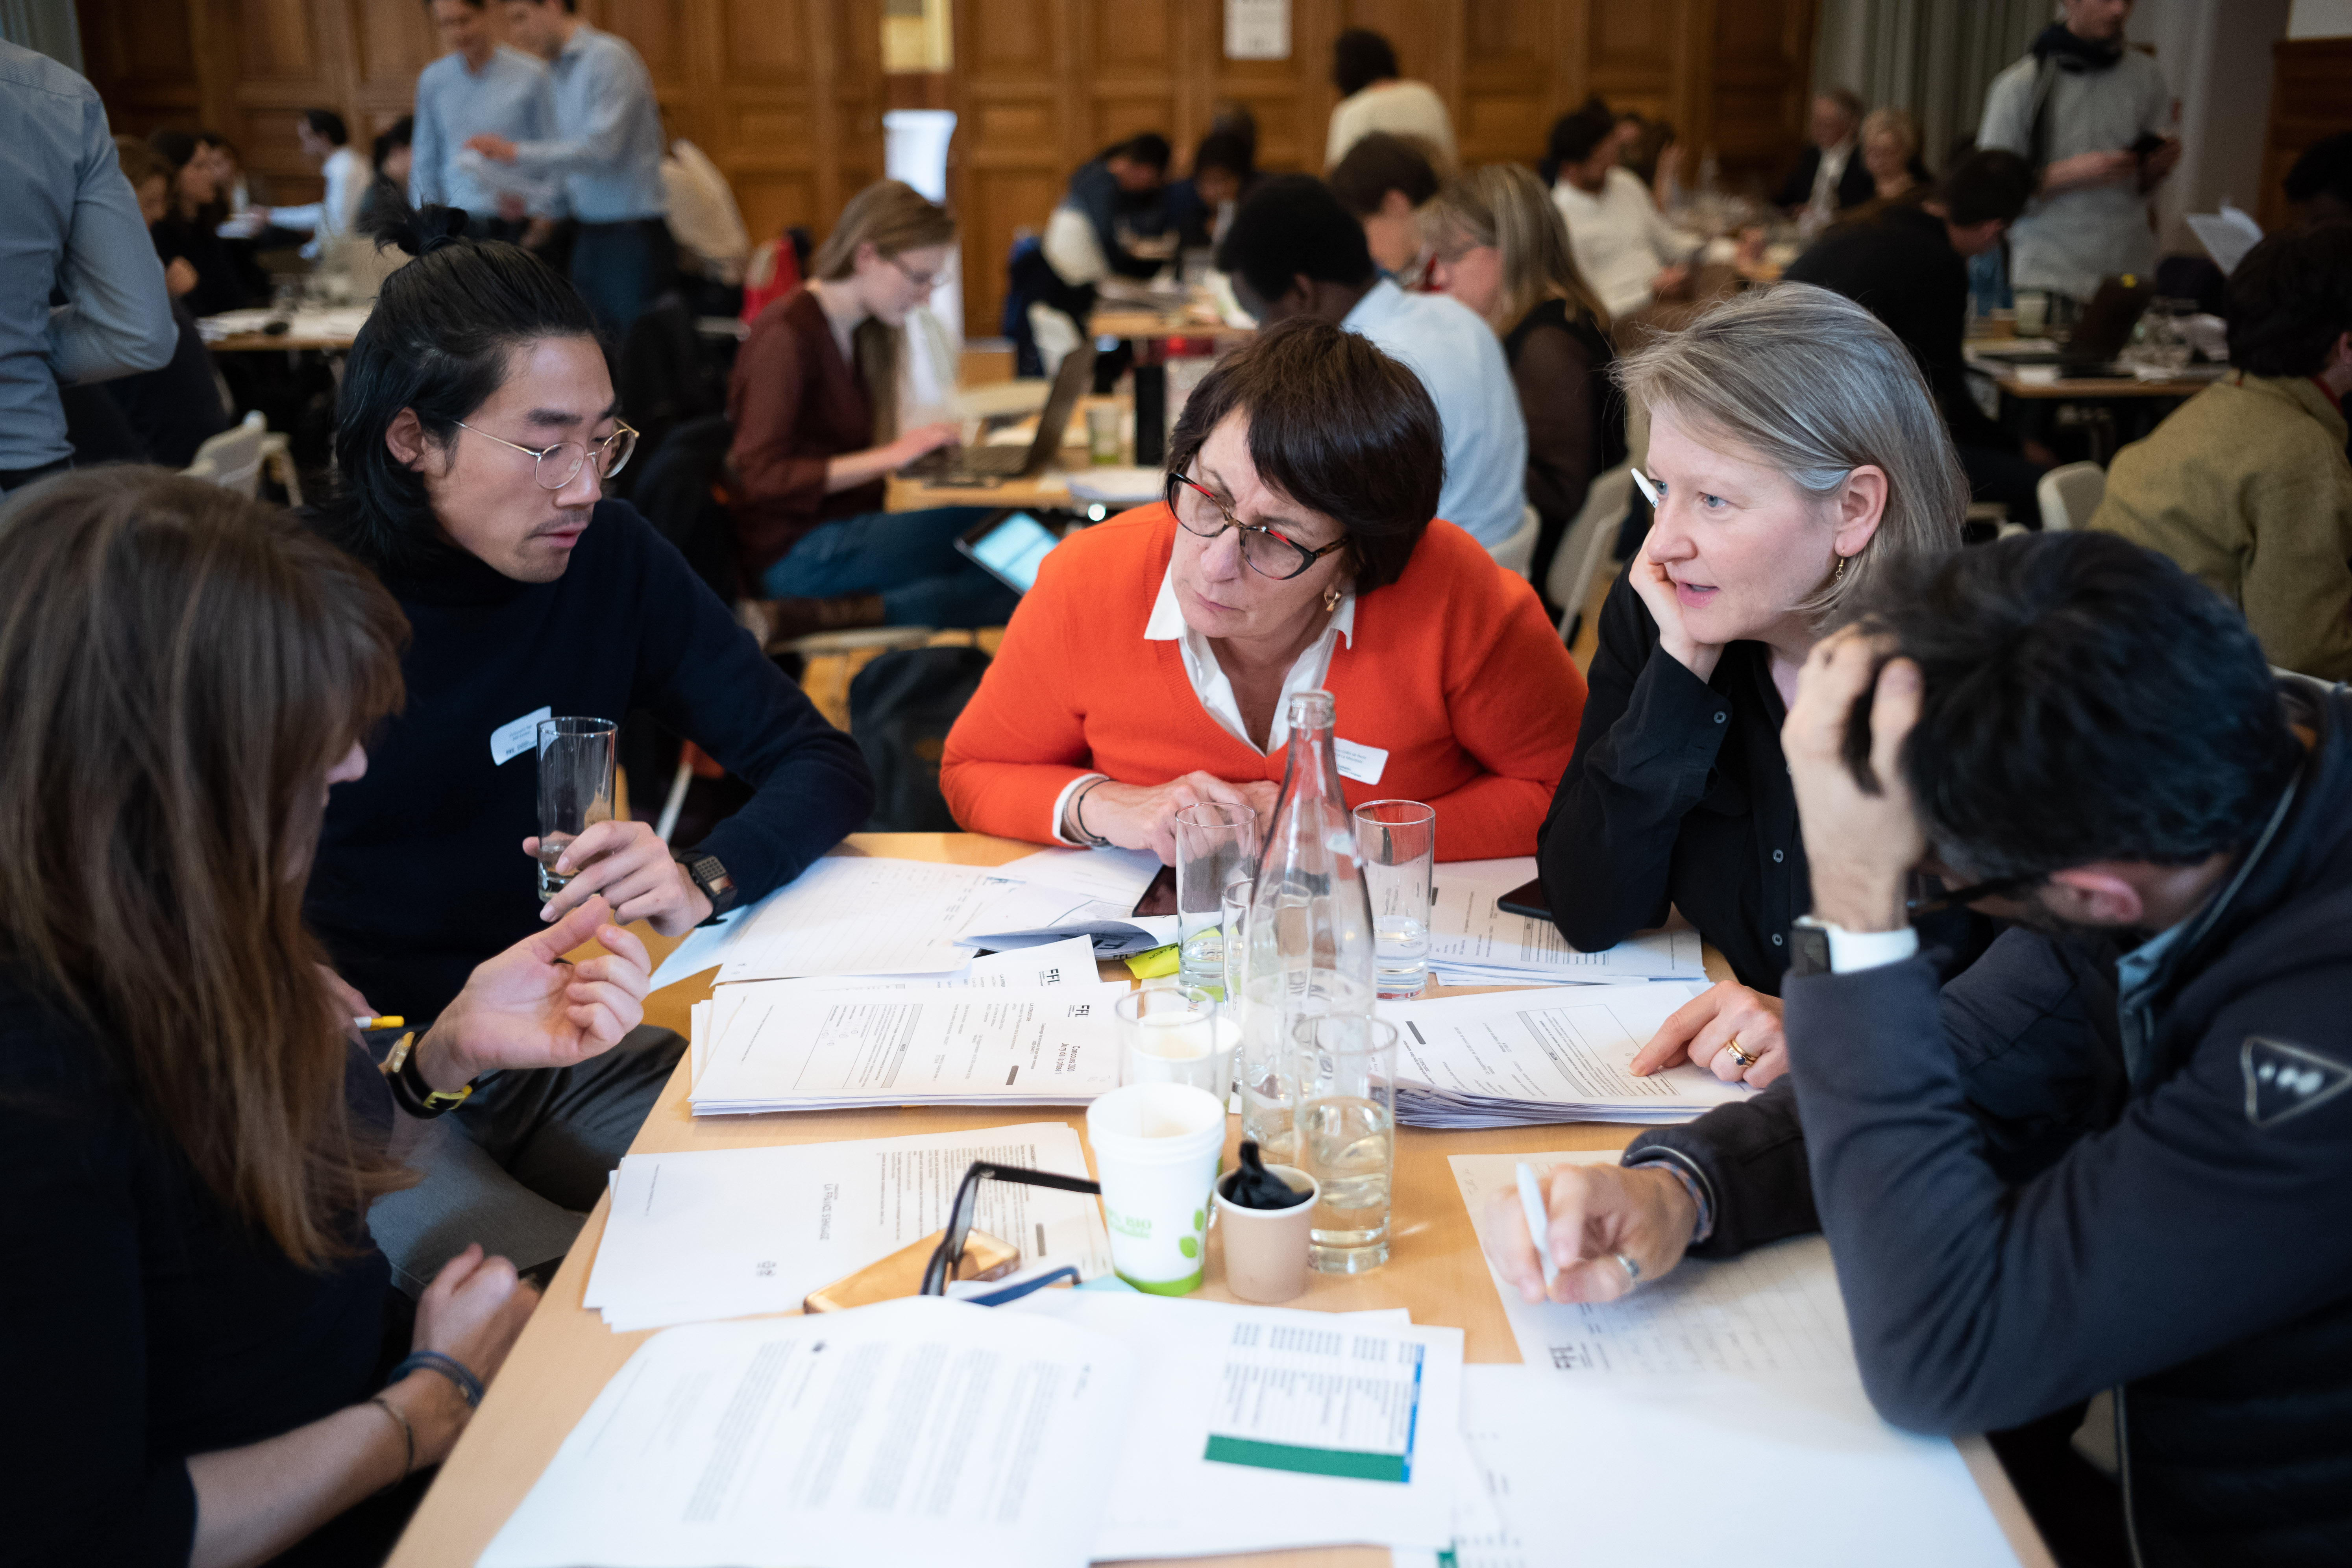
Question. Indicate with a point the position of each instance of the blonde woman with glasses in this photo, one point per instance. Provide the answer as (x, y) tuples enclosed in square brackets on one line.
[(1796, 450), (818, 436), (1499, 245)]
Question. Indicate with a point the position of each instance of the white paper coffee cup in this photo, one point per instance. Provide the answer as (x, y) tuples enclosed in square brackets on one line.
[(1156, 1148)]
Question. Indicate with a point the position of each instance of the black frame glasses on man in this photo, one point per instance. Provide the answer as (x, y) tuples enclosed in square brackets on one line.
[(1253, 533), (949, 1254), (613, 454)]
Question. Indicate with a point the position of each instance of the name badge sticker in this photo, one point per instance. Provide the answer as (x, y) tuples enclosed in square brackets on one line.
[(1365, 765), (510, 740)]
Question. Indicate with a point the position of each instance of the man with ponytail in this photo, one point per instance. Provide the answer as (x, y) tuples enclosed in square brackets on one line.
[(477, 429)]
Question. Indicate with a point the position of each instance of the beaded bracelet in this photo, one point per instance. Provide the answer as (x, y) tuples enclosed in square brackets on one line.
[(448, 1366)]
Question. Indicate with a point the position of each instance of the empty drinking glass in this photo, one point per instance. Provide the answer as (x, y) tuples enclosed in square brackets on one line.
[(1396, 840), (1347, 1137), (1217, 846), (575, 788), (1175, 1035)]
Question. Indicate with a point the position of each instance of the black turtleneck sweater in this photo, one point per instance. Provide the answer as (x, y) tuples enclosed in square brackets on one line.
[(421, 873)]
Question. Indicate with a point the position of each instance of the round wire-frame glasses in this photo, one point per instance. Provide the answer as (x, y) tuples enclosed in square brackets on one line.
[(613, 454)]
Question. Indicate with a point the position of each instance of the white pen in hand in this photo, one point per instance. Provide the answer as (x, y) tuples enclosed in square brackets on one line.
[(1531, 1197)]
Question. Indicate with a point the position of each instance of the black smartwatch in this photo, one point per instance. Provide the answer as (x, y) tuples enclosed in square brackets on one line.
[(706, 873), (1808, 947)]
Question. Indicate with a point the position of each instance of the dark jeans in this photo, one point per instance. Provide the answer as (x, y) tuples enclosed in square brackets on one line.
[(2008, 477), (908, 557), (520, 1163), (17, 479), (621, 268)]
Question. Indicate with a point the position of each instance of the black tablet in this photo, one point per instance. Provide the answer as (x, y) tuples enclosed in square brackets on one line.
[(1009, 546)]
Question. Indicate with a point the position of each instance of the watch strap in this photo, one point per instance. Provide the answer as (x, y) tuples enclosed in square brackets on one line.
[(710, 877), (409, 1089)]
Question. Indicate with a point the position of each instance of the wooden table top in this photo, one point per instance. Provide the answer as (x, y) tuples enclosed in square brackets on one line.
[(1119, 321), (566, 1354), (250, 342)]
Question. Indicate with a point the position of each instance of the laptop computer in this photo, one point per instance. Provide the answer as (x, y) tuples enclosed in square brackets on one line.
[(2105, 327), (992, 464)]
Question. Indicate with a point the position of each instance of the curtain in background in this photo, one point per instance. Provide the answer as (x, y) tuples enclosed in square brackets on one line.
[(48, 26), (1933, 58)]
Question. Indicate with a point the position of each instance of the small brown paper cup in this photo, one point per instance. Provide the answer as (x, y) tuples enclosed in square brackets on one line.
[(1266, 1249)]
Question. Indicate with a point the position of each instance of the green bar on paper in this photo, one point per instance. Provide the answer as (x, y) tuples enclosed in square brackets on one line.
[(1347, 1462)]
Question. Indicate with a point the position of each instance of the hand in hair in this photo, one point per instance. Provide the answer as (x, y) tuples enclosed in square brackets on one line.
[(1862, 833), (527, 1008), (1702, 1031), (631, 868)]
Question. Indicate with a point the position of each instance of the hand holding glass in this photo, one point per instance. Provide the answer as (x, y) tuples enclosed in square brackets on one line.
[(576, 789)]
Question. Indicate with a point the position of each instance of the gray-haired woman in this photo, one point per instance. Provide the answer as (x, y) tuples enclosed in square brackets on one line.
[(1795, 447)]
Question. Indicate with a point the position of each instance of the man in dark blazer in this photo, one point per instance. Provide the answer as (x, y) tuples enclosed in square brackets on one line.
[(1837, 118)]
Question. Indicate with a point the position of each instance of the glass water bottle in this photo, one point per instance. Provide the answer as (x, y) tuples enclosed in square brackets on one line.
[(1310, 944)]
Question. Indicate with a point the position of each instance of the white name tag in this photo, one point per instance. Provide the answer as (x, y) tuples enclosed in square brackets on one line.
[(508, 741), (1365, 765)]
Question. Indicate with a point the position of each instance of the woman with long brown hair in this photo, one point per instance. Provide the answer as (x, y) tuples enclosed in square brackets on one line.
[(1499, 245), (190, 1133), (815, 401)]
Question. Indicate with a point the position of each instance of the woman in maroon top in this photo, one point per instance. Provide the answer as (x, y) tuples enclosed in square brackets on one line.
[(815, 386)]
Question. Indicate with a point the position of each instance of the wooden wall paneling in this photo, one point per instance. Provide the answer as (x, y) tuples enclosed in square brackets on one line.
[(2307, 102), (1022, 114), (1760, 65), (143, 64), (1510, 58)]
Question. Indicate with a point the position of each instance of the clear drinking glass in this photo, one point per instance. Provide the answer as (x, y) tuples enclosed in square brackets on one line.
[(1217, 846), (575, 788), (1310, 929), (1347, 1137), (1175, 1035), (1397, 842)]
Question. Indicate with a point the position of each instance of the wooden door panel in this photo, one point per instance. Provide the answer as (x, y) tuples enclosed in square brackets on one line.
[(766, 40), (275, 39), (395, 42)]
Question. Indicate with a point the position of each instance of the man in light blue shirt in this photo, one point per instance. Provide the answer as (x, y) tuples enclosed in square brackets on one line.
[(480, 88), (607, 150), (1293, 251), (73, 225)]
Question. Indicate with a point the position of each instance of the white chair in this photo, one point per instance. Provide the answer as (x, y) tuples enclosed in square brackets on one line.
[(2070, 494), (232, 459), (1518, 553), (1585, 546)]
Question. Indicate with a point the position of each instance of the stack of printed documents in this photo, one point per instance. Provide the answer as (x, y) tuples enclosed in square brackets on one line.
[(868, 914), (1068, 1427), (1473, 941), (733, 1232), (1515, 1058), (793, 1046)]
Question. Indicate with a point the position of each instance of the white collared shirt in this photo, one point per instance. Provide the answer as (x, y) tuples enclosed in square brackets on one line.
[(1216, 689)]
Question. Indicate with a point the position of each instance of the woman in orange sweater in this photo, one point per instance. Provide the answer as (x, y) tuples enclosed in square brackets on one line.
[(1150, 666)]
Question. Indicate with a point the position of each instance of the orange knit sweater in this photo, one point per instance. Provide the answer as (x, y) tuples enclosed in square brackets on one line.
[(1453, 670)]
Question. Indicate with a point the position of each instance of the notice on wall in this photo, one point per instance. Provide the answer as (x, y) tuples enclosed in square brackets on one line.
[(1257, 29)]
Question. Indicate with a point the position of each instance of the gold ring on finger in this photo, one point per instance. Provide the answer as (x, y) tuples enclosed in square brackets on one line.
[(1741, 1056)]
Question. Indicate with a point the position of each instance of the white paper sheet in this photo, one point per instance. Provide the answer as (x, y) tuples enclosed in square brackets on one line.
[(855, 915), (1268, 1387), (1559, 1055), (1694, 1474), (788, 1048), (915, 1431), (1747, 1362), (2226, 236), (1471, 941), (728, 1233)]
